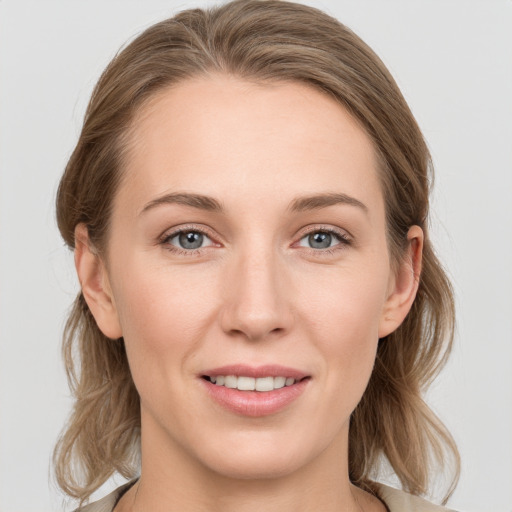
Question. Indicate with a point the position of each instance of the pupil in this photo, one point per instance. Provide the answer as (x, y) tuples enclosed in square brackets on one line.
[(320, 240), (191, 240)]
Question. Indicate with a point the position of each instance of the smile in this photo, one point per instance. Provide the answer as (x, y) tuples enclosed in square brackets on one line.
[(244, 383), (255, 391)]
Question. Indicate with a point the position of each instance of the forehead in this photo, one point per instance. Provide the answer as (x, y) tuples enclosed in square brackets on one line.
[(229, 138)]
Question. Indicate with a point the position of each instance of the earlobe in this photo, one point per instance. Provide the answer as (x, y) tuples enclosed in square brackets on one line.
[(95, 285), (404, 284)]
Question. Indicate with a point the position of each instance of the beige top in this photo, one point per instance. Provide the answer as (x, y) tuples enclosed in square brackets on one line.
[(395, 500)]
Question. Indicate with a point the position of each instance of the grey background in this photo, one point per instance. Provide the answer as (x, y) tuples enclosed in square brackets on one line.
[(453, 61)]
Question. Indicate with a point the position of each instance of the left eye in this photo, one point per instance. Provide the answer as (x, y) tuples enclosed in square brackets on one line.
[(320, 240), (189, 240)]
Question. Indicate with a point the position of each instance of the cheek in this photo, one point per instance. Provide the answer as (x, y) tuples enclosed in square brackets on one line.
[(342, 315), (345, 303), (162, 315)]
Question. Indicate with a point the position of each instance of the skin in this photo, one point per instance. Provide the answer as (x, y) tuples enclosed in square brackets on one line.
[(256, 292)]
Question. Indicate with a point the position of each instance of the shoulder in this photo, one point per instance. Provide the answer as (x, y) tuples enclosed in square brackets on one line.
[(107, 503), (395, 500), (400, 501)]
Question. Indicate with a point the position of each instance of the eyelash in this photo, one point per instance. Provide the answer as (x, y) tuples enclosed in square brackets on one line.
[(167, 237), (344, 240)]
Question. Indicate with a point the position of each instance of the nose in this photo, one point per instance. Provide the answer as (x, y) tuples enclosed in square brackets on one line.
[(257, 304)]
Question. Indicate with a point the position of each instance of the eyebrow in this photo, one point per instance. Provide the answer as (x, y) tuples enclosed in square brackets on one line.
[(193, 200), (318, 201), (300, 204)]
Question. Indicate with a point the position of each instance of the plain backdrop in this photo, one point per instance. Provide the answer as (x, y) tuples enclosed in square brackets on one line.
[(453, 62)]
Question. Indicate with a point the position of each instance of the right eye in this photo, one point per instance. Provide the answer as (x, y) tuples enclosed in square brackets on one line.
[(188, 240)]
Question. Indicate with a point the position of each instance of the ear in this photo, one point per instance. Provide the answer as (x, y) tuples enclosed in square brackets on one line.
[(403, 284), (95, 284)]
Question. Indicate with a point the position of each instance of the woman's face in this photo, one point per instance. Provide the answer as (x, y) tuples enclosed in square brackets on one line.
[(248, 245)]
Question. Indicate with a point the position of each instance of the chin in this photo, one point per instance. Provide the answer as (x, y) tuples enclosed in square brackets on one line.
[(258, 459), (266, 467)]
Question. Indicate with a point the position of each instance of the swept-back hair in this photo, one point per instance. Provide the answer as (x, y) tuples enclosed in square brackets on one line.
[(262, 41)]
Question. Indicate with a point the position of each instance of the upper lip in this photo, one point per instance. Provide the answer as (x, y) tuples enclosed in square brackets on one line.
[(267, 370)]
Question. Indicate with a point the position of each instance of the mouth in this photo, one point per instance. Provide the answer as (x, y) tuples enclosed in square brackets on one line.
[(250, 391), (246, 383)]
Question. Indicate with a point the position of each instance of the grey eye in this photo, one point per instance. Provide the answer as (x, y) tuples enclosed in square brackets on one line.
[(320, 240), (190, 240)]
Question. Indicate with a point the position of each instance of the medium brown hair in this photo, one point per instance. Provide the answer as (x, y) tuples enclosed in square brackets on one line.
[(262, 41)]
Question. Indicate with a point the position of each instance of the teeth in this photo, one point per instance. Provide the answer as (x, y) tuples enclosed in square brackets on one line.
[(279, 382), (244, 383), (265, 384), (230, 381)]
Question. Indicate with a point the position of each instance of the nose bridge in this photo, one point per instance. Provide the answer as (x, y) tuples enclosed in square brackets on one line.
[(257, 303)]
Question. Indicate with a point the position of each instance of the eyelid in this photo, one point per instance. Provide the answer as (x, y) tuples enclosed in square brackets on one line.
[(170, 233), (344, 237), (341, 233), (180, 228)]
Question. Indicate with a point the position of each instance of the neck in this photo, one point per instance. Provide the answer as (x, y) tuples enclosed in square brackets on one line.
[(275, 495), (172, 480)]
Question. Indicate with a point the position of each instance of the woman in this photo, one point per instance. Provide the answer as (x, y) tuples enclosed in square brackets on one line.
[(260, 308)]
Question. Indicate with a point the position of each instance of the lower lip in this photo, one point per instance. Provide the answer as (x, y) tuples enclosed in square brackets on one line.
[(255, 403)]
